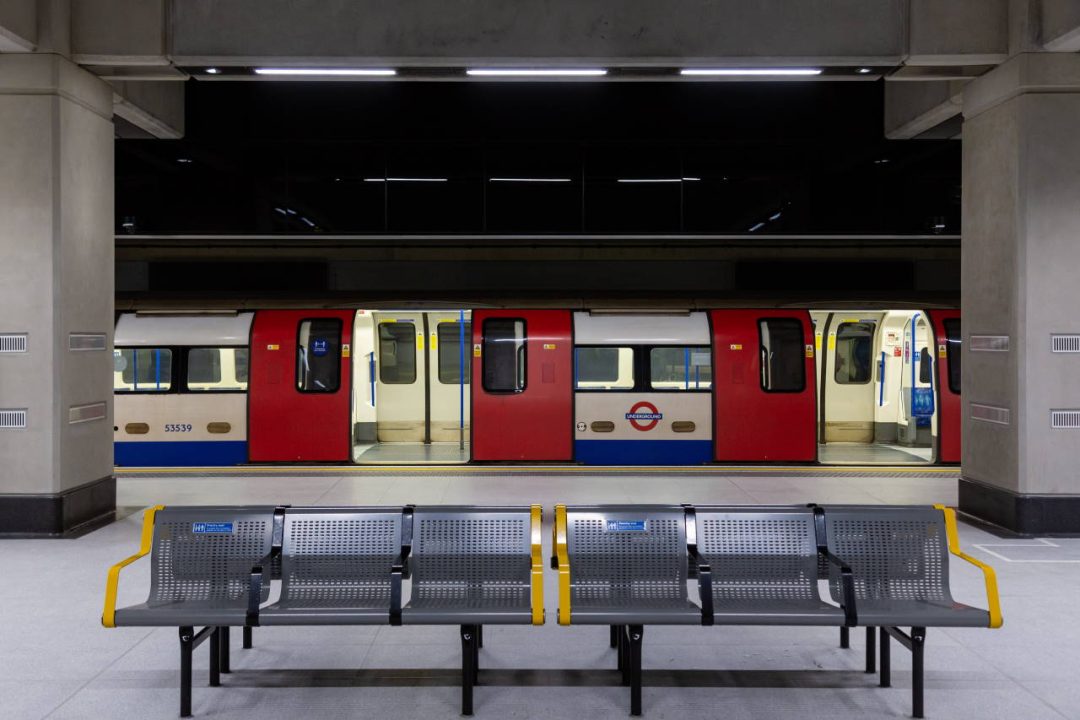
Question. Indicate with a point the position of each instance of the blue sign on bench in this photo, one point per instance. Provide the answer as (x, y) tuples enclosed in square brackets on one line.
[(626, 525), (212, 528)]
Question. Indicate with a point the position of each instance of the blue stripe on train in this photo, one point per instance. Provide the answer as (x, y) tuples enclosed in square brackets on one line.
[(179, 453), (643, 452)]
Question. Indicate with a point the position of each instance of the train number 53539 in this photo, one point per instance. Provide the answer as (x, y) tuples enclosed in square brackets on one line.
[(178, 428)]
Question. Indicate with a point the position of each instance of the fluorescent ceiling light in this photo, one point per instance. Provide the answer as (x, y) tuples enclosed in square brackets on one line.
[(537, 72), (691, 179), (757, 227), (864, 71), (749, 71), (213, 71), (406, 179), (363, 72), (530, 179), (649, 180)]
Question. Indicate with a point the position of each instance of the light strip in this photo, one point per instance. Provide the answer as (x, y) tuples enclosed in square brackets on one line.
[(536, 72), (749, 71), (315, 72), (649, 180), (530, 180), (406, 179)]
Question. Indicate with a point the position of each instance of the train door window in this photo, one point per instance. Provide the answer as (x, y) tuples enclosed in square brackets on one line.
[(142, 370), (452, 358), (504, 355), (952, 351), (783, 358), (604, 368), (854, 350), (680, 368), (397, 353), (318, 356), (217, 369), (925, 371)]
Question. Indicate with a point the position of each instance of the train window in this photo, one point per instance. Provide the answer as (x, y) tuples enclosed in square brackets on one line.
[(952, 353), (504, 356), (783, 358), (854, 350), (142, 370), (680, 368), (217, 369), (397, 353), (318, 356), (452, 357), (604, 368), (925, 372)]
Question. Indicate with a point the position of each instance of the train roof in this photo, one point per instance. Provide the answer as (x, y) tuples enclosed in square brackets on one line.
[(164, 330), (641, 329)]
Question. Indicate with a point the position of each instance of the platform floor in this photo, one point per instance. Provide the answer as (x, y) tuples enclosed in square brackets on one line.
[(56, 661)]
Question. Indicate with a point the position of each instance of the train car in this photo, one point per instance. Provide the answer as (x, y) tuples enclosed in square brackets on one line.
[(181, 386), (591, 387)]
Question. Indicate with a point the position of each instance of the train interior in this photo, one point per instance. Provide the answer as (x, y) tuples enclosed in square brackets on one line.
[(411, 372), (877, 400)]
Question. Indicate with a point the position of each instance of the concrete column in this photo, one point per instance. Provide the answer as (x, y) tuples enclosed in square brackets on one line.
[(56, 296), (1020, 257)]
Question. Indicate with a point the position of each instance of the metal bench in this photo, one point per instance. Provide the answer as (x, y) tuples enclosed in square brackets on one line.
[(900, 559), (214, 566)]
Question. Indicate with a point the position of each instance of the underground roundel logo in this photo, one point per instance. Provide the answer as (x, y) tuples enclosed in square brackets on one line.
[(644, 416)]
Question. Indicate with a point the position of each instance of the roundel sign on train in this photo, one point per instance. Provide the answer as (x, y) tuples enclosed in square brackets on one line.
[(644, 416)]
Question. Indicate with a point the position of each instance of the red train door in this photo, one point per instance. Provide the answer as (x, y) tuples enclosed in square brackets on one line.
[(946, 325), (300, 389), (522, 390), (763, 386)]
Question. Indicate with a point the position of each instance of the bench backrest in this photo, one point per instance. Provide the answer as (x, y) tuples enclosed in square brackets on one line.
[(206, 553), (759, 553), (481, 555), (895, 552), (624, 553), (339, 554)]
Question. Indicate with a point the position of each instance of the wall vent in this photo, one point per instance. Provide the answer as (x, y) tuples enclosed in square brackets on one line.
[(1065, 419), (12, 419), (13, 343), (86, 413), (79, 342), (990, 414), (1065, 343), (989, 343)]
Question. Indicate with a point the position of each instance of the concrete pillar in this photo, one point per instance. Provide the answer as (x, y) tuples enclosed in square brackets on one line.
[(56, 296), (1020, 256)]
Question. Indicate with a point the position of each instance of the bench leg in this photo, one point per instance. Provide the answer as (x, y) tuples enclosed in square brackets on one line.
[(215, 657), (886, 666), (622, 653), (477, 642), (635, 632), (247, 638), (224, 632), (918, 642), (479, 636), (871, 650), (468, 667), (845, 638), (187, 637), (614, 636)]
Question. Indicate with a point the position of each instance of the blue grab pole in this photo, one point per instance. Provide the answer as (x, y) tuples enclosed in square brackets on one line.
[(135, 364), (157, 368), (686, 367)]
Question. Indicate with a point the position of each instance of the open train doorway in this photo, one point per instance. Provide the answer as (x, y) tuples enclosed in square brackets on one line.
[(411, 375), (877, 387)]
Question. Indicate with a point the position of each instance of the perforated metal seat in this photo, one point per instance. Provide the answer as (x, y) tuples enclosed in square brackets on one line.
[(336, 566), (628, 565), (900, 559), (201, 562), (471, 566), (764, 564)]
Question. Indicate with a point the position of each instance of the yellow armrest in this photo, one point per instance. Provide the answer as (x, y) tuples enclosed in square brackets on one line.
[(108, 616), (537, 573), (563, 560), (989, 575)]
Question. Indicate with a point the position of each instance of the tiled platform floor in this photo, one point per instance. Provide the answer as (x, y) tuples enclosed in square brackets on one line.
[(56, 661)]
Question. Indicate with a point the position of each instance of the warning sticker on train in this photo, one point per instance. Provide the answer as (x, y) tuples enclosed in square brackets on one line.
[(644, 416)]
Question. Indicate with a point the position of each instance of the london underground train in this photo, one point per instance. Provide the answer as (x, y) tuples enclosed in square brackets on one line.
[(537, 385)]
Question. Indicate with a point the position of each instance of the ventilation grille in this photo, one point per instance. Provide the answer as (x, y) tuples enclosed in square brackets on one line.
[(13, 343), (990, 414), (12, 419), (86, 413), (78, 342), (1065, 343), (1065, 419), (989, 343)]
